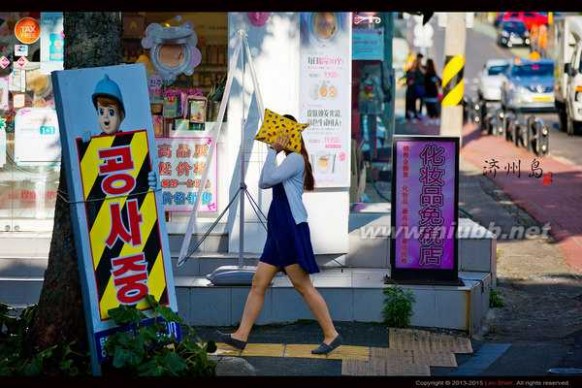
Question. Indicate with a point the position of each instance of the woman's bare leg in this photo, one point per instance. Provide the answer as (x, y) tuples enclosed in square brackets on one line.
[(261, 280), (315, 301)]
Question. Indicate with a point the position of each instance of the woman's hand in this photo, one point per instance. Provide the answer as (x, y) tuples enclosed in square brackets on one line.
[(280, 144)]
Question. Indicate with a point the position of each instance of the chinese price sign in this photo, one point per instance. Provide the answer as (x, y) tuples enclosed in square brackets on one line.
[(424, 211), (182, 162), (325, 94)]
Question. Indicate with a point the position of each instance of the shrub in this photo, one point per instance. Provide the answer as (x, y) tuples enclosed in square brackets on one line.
[(13, 359), (398, 304), (495, 299), (147, 350)]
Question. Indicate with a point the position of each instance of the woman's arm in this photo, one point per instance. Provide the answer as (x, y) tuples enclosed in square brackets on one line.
[(273, 174)]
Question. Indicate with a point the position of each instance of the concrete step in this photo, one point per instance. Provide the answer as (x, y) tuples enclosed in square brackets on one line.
[(19, 291), (25, 244), (353, 294), (477, 250), (37, 245)]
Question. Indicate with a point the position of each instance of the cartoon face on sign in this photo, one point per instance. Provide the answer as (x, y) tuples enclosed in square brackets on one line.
[(108, 101)]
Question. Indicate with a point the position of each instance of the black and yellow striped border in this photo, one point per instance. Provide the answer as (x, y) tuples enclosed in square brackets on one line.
[(453, 82), (99, 221)]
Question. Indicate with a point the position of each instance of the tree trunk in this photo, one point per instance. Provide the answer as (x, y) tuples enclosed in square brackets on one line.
[(91, 39)]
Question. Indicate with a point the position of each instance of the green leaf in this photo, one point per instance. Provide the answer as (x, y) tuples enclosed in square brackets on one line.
[(126, 358), (151, 300), (169, 315), (33, 367), (124, 315), (174, 364)]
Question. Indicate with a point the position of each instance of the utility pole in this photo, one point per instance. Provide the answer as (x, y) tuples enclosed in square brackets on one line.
[(388, 18), (453, 82)]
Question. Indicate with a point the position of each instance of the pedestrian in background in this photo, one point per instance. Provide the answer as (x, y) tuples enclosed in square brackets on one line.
[(543, 40), (419, 89), (288, 247), (410, 96), (432, 86), (414, 77), (533, 38)]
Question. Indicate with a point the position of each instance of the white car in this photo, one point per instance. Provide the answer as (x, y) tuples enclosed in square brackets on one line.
[(491, 78)]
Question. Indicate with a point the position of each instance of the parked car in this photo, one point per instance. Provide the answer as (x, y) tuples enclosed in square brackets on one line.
[(529, 86), (529, 18), (491, 78), (513, 32)]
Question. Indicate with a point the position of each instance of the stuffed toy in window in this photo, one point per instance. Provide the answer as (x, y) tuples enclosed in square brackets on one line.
[(275, 125)]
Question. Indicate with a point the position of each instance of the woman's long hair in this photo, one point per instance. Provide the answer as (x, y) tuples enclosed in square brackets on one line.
[(430, 67), (308, 179)]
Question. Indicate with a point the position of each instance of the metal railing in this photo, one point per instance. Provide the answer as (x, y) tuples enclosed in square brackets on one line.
[(532, 133)]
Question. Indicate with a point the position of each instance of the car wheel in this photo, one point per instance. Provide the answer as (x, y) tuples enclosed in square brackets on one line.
[(563, 119)]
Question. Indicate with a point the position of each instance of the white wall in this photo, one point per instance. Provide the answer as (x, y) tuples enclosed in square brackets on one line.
[(275, 51)]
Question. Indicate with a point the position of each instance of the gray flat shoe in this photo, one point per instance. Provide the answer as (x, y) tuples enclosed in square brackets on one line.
[(325, 348), (227, 339)]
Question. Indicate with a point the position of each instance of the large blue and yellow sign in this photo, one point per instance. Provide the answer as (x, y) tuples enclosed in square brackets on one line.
[(122, 220), (109, 150)]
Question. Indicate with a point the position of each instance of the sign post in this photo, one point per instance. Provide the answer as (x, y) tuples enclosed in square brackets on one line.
[(425, 197), (118, 221)]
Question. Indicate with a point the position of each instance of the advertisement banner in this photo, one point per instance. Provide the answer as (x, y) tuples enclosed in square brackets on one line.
[(52, 41), (424, 208), (4, 86), (118, 220), (325, 94), (182, 161), (36, 137), (2, 142), (368, 44)]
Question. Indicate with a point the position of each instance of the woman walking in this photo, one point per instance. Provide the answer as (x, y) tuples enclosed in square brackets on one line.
[(288, 247), (410, 97), (432, 85)]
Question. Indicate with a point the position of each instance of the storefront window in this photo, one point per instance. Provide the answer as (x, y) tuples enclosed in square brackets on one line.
[(184, 110), (184, 99), (29, 135)]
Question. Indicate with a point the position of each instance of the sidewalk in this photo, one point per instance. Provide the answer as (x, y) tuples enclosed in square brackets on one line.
[(553, 199)]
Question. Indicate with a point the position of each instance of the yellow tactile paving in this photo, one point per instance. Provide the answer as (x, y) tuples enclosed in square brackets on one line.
[(411, 356), (225, 350), (350, 351), (263, 350), (428, 342)]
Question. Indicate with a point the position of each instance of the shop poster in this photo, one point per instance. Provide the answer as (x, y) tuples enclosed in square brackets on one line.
[(424, 208), (36, 137), (182, 161), (118, 220), (325, 94), (4, 97), (52, 41), (2, 142)]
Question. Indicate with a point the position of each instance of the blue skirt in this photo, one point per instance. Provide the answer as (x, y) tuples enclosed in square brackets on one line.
[(287, 243)]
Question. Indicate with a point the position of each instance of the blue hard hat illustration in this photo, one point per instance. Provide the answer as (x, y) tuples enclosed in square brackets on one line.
[(108, 88)]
